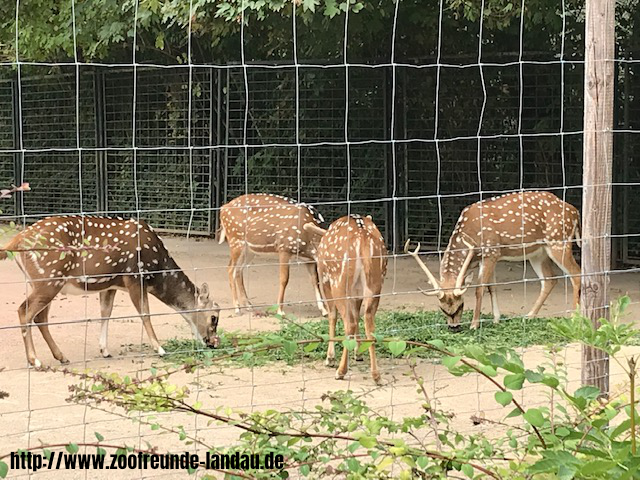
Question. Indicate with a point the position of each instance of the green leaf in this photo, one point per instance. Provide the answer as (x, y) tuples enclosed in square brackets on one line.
[(72, 448), (350, 344), (597, 467), (450, 362), (623, 303), (587, 392), (310, 347), (99, 437), (305, 470), (437, 343), (422, 462), (514, 382), (534, 417), (367, 442), (309, 5), (4, 469), (533, 377), (397, 347), (514, 413), (488, 370), (384, 463), (503, 398), (467, 470), (102, 452), (364, 346), (289, 347)]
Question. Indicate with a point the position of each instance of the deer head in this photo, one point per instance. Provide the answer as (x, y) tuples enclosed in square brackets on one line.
[(450, 288), (205, 317)]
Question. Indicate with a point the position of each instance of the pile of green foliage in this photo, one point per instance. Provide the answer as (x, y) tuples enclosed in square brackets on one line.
[(419, 326)]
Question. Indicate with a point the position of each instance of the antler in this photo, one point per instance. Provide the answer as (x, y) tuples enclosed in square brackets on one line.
[(426, 270), (459, 291)]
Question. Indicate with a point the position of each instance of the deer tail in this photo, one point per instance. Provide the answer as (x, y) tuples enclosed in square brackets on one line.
[(576, 235), (222, 235), (13, 243)]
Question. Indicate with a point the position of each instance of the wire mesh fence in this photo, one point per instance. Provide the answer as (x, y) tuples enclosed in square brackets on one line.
[(372, 128), (509, 157)]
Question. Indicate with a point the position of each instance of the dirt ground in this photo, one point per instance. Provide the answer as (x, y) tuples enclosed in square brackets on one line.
[(37, 411)]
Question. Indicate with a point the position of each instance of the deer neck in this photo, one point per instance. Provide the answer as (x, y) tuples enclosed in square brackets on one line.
[(451, 264), (174, 288)]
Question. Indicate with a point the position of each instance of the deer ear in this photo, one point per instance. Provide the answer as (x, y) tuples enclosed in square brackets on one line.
[(468, 279), (203, 293), (369, 217)]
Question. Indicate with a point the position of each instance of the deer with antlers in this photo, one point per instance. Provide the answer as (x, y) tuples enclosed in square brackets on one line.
[(536, 226), (269, 224), (352, 263), (91, 254)]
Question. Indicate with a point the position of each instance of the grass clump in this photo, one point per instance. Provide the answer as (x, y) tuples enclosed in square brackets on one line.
[(420, 326)]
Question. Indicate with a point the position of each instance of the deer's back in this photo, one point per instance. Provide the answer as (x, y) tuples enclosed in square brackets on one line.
[(268, 223), (100, 252), (517, 218), (352, 255)]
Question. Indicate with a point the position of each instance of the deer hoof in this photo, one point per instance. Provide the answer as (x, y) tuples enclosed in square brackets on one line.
[(105, 353), (329, 362), (496, 319), (339, 376), (64, 361), (377, 377), (36, 363), (359, 358), (161, 352)]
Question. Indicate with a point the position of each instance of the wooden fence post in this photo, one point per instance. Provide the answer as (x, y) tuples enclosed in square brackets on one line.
[(597, 177)]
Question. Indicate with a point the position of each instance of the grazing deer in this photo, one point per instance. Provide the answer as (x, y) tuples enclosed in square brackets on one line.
[(536, 226), (69, 255), (260, 223), (352, 263)]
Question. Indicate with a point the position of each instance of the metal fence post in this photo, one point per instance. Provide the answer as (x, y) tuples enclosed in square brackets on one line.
[(18, 161), (101, 135)]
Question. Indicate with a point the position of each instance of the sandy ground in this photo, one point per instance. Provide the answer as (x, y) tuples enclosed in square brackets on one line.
[(37, 411)]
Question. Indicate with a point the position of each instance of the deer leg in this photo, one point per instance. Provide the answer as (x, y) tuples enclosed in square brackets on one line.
[(349, 330), (487, 268), (493, 293), (140, 300), (331, 348), (234, 271), (245, 258), (107, 298), (42, 319), (313, 273), (355, 314), (543, 266), (333, 317), (30, 308), (562, 256), (284, 257), (370, 309)]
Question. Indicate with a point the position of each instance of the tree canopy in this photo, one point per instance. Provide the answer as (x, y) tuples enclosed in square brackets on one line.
[(105, 29)]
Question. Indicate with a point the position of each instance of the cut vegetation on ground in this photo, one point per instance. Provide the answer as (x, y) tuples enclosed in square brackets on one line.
[(262, 348)]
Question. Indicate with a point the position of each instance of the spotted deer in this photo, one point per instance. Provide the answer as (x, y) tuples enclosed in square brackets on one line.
[(352, 263), (536, 226), (69, 255), (261, 223)]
